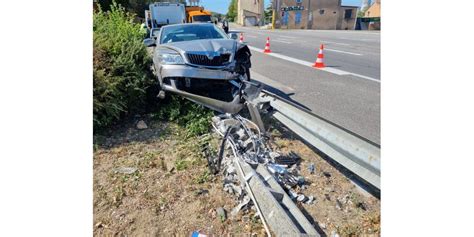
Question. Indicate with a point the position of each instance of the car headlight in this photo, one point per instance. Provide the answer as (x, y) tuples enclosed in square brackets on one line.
[(169, 57)]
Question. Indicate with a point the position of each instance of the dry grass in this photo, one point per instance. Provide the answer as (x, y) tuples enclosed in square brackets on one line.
[(164, 196)]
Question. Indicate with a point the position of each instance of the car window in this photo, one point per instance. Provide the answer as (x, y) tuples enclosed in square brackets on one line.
[(202, 18), (190, 32)]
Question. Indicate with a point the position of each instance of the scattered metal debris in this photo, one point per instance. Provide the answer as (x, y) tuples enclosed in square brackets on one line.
[(310, 200), (244, 140), (244, 203), (311, 168), (301, 198)]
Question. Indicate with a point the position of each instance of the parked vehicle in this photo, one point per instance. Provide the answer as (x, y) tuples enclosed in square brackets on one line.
[(200, 62), (197, 14), (165, 13)]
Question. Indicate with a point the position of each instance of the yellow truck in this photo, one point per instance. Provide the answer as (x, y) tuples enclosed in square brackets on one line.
[(197, 14)]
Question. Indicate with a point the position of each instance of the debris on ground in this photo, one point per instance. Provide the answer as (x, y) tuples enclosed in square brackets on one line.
[(242, 139), (202, 192), (198, 234), (141, 125), (311, 168), (173, 192), (221, 213)]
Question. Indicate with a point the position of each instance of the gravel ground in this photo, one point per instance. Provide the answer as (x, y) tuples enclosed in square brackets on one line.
[(155, 182)]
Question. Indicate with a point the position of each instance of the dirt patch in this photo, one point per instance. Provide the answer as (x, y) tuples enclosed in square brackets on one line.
[(170, 193), (169, 190)]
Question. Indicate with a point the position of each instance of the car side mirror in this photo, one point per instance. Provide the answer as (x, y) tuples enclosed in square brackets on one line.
[(233, 35), (149, 42)]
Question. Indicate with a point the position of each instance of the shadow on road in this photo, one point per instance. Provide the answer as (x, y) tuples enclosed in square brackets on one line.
[(281, 93)]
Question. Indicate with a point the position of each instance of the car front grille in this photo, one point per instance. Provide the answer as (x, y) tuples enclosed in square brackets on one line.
[(200, 59)]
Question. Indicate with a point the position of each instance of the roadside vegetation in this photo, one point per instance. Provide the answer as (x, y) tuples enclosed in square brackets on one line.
[(155, 180), (123, 83), (120, 66), (232, 11), (195, 118)]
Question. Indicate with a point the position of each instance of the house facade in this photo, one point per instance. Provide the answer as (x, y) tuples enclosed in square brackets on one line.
[(250, 12), (314, 14)]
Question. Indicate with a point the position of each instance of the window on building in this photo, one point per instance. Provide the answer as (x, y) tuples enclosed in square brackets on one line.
[(348, 14), (297, 17), (321, 11), (285, 18)]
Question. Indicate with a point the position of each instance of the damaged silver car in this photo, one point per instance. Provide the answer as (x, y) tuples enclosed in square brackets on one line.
[(200, 62)]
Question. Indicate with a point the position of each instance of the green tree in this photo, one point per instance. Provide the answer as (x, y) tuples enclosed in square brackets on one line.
[(268, 13), (361, 12), (232, 11)]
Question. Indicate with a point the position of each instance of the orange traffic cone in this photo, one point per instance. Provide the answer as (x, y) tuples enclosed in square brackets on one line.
[(319, 60), (241, 40), (267, 46)]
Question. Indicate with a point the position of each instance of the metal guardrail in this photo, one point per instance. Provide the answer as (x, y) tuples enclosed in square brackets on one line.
[(278, 210), (355, 153)]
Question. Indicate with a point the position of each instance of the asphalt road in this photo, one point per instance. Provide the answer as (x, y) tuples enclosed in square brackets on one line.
[(352, 51), (347, 93)]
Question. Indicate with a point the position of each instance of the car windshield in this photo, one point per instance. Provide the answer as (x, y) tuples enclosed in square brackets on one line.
[(202, 18), (190, 32)]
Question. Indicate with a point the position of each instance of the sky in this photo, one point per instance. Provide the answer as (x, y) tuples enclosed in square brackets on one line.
[(221, 6)]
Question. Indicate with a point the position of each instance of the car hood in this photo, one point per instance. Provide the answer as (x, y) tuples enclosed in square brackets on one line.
[(206, 45)]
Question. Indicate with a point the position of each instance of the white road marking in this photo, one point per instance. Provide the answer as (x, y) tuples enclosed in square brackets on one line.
[(340, 51), (289, 37), (261, 78), (310, 64), (281, 41), (367, 40), (330, 42)]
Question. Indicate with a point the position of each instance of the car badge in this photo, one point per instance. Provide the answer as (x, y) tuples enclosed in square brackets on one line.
[(211, 55)]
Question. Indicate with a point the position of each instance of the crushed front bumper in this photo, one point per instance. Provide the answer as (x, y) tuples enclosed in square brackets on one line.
[(167, 71), (171, 78)]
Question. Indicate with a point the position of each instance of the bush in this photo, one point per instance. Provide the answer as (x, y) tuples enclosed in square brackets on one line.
[(121, 66), (194, 117), (123, 83)]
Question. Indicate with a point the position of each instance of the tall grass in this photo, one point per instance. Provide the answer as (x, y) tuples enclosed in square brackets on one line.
[(120, 66)]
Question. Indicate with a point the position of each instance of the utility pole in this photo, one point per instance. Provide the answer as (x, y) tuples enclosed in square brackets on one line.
[(310, 16), (274, 13)]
